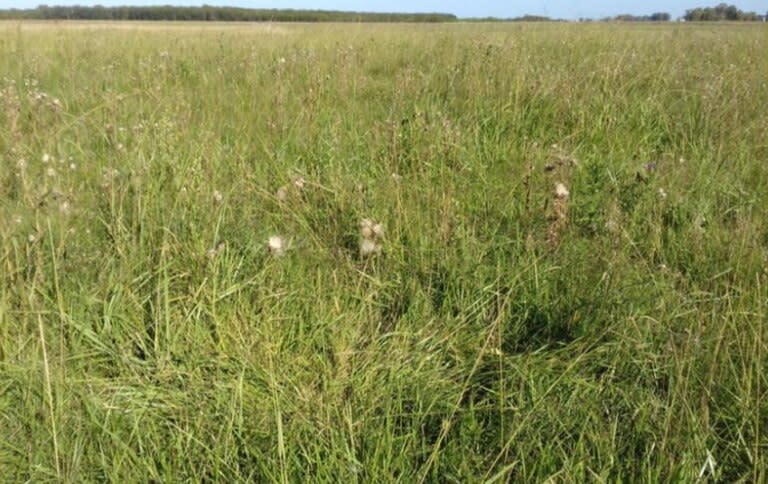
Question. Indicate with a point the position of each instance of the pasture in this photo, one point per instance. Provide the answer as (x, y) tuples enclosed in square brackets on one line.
[(383, 253)]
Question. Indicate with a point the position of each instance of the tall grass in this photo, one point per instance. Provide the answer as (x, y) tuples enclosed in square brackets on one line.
[(503, 332)]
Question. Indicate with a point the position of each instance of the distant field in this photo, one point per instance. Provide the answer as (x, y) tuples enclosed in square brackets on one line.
[(376, 253)]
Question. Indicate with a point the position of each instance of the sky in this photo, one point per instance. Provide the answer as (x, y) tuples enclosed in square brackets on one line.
[(568, 9)]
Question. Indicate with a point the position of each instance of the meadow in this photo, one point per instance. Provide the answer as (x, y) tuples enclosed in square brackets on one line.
[(383, 253)]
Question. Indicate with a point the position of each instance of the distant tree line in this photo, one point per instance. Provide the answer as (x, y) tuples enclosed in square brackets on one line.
[(210, 13), (524, 18), (719, 13), (654, 17)]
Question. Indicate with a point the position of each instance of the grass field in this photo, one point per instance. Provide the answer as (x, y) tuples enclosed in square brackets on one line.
[(563, 276)]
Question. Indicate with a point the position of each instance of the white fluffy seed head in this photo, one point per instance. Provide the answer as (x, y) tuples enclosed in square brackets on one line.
[(561, 191), (276, 245), (217, 196), (215, 251), (370, 229), (369, 247)]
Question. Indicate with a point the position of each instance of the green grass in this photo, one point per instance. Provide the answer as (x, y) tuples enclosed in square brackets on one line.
[(616, 335)]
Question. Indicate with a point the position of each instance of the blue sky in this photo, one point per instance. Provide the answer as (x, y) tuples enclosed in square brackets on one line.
[(464, 8)]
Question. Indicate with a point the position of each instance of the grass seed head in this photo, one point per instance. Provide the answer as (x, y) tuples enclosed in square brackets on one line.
[(214, 251), (370, 237), (65, 208), (370, 229), (561, 191), (369, 247), (277, 245)]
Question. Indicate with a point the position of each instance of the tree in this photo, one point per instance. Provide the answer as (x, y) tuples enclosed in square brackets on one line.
[(720, 12), (212, 13)]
